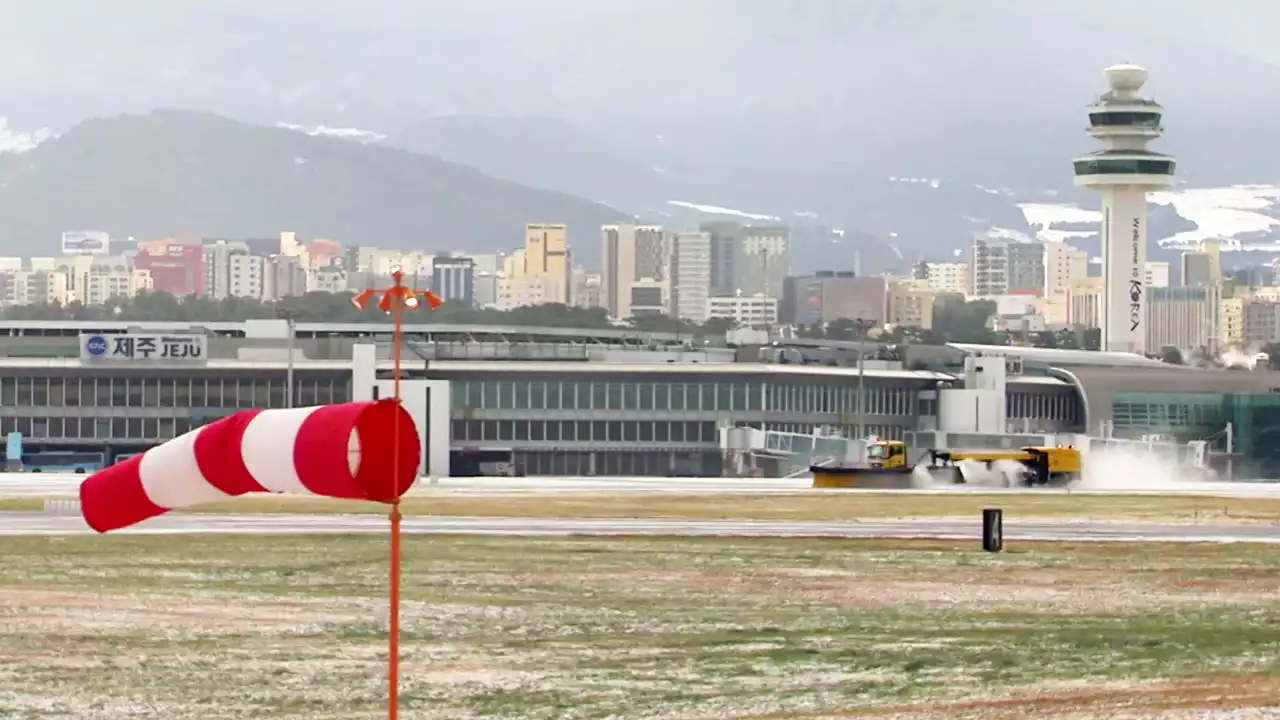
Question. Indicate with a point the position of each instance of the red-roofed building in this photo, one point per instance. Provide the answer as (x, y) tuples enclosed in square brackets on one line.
[(175, 268)]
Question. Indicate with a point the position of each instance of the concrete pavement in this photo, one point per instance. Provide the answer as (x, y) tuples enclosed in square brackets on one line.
[(940, 528)]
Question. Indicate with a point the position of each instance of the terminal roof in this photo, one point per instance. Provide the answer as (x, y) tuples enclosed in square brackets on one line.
[(1065, 358), (309, 329)]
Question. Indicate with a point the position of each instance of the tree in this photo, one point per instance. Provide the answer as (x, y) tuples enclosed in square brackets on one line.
[(958, 320), (1172, 355), (662, 323)]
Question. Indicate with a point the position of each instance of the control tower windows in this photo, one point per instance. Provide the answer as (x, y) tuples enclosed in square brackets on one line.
[(1121, 118), (1124, 166)]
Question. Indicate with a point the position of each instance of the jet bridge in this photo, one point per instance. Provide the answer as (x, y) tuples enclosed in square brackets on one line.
[(752, 452)]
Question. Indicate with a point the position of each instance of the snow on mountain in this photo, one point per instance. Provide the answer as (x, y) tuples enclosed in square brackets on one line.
[(1223, 213), (1243, 216), (16, 141), (360, 136), (717, 210)]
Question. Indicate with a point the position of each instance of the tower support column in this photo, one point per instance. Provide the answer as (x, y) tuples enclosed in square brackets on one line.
[(1124, 258)]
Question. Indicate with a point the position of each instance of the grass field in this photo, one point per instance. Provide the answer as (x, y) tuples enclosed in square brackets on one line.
[(799, 506), (228, 627)]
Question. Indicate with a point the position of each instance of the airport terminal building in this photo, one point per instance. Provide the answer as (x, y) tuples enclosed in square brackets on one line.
[(566, 401)]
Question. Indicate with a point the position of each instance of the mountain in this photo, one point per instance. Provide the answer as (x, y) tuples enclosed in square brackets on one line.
[(170, 172), (881, 217)]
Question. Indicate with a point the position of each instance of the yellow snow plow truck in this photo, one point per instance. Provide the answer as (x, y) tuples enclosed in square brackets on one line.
[(887, 467)]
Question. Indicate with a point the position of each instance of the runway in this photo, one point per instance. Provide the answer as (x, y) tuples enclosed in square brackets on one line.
[(12, 524), (51, 484)]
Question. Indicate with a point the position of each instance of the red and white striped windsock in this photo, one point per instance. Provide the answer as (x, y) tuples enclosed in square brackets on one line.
[(360, 450)]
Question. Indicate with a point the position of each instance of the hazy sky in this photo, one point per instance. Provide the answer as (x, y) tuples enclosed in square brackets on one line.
[(390, 61)]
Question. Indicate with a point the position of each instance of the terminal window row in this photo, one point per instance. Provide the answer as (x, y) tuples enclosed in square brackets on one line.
[(720, 396), (1154, 412), (213, 392), (1058, 406), (100, 429), (627, 463), (601, 395), (583, 431), (840, 399)]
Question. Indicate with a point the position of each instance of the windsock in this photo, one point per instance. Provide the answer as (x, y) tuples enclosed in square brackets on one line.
[(360, 450)]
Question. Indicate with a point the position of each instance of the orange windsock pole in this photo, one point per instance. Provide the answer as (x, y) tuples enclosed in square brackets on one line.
[(395, 300)]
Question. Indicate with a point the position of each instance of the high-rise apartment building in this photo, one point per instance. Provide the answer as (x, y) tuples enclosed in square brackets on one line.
[(633, 254), (33, 287), (952, 278), (246, 275), (690, 276), (218, 270), (1001, 267), (284, 276), (1064, 266), (104, 282)]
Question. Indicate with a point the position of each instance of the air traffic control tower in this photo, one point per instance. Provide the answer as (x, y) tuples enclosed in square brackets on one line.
[(1123, 173)]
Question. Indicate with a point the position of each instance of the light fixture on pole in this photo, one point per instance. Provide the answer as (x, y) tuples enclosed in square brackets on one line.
[(395, 300)]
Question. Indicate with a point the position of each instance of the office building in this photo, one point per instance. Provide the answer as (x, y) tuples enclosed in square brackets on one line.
[(1183, 317), (764, 262), (547, 256), (453, 279), (747, 259), (725, 243), (753, 312), (633, 254), (175, 268), (1085, 303), (1123, 173), (830, 295), (486, 285), (690, 276), (1202, 267)]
